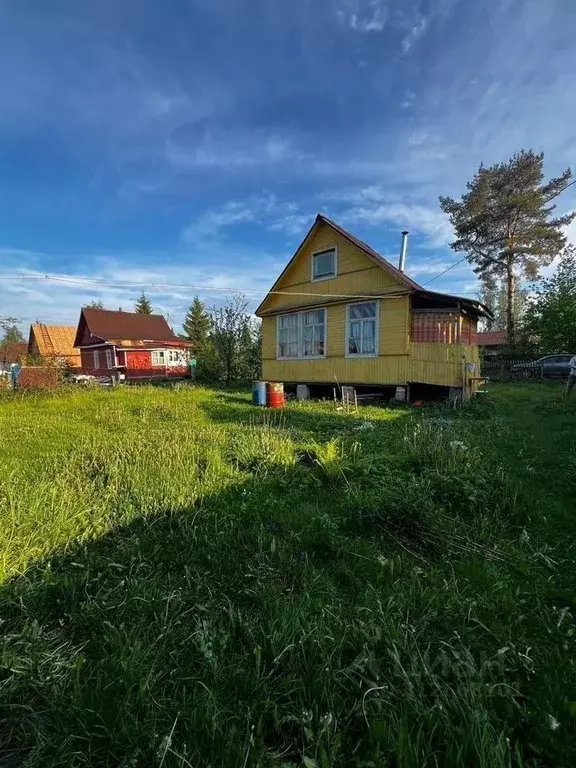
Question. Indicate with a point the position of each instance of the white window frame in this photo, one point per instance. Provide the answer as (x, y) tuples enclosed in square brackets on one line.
[(176, 358), (96, 355), (353, 355), (109, 358), (324, 277), (170, 358), (300, 326)]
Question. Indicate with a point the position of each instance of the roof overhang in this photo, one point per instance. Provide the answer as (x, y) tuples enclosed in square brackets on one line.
[(477, 307), (403, 279)]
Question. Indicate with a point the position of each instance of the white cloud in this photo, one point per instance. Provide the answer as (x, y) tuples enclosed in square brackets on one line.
[(408, 99), (232, 150), (364, 17), (264, 209), (421, 219), (211, 223), (117, 282), (433, 267), (417, 31)]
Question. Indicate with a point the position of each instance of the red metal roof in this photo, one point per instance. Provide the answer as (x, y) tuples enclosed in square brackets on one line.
[(120, 327), (492, 339)]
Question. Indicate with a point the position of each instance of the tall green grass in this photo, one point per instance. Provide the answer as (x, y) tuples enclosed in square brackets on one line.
[(187, 580)]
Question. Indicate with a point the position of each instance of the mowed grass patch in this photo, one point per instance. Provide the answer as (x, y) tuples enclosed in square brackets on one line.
[(188, 580)]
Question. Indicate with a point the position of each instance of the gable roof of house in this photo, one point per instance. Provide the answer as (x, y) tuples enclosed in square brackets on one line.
[(54, 340), (13, 353), (374, 255), (123, 328), (410, 285), (492, 338)]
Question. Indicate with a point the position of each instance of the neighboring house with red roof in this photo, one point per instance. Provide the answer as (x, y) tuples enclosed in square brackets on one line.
[(142, 347), (492, 342)]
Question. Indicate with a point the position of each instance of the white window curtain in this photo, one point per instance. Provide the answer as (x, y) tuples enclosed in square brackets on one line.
[(362, 326), (288, 336), (302, 335), (312, 325), (109, 358), (324, 264), (96, 359)]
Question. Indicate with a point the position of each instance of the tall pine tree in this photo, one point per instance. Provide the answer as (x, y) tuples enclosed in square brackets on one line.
[(143, 305), (197, 324), (505, 224)]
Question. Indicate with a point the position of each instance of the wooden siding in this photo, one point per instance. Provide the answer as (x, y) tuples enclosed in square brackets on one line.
[(399, 360), (356, 274), (440, 364), (393, 336)]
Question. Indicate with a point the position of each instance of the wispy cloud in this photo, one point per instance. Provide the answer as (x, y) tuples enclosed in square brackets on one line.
[(230, 150), (365, 17), (408, 99), (264, 209), (375, 205), (29, 295), (417, 31)]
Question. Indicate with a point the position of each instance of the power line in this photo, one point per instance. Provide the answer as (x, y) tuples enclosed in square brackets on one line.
[(122, 284), (456, 263), (102, 283)]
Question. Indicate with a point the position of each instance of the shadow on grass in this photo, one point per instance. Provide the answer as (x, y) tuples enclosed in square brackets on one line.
[(201, 636), (254, 628)]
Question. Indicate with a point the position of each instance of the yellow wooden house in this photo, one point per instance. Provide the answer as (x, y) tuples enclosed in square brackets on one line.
[(340, 314)]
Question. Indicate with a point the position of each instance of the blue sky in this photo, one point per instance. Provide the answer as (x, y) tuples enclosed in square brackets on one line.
[(193, 141)]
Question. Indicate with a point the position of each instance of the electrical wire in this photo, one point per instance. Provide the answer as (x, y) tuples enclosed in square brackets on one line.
[(456, 263), (104, 283)]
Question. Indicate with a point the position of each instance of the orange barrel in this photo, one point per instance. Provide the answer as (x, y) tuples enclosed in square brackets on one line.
[(274, 395)]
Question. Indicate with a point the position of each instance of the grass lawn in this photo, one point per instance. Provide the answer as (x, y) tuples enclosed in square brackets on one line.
[(189, 581)]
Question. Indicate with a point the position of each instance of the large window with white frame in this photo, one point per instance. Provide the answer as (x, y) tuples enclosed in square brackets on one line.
[(324, 264), (96, 356), (176, 357), (302, 335), (109, 358), (168, 357), (362, 329)]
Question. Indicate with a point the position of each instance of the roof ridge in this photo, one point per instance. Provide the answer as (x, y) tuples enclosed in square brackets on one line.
[(370, 251)]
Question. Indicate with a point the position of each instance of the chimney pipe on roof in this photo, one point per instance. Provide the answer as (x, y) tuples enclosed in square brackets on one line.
[(403, 247)]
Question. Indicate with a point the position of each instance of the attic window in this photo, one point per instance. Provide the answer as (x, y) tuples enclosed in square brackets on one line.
[(324, 264)]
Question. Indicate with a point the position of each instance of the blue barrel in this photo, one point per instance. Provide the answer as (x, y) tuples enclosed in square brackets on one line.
[(259, 393)]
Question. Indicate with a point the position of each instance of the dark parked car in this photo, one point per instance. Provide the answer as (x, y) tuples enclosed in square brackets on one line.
[(551, 366)]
